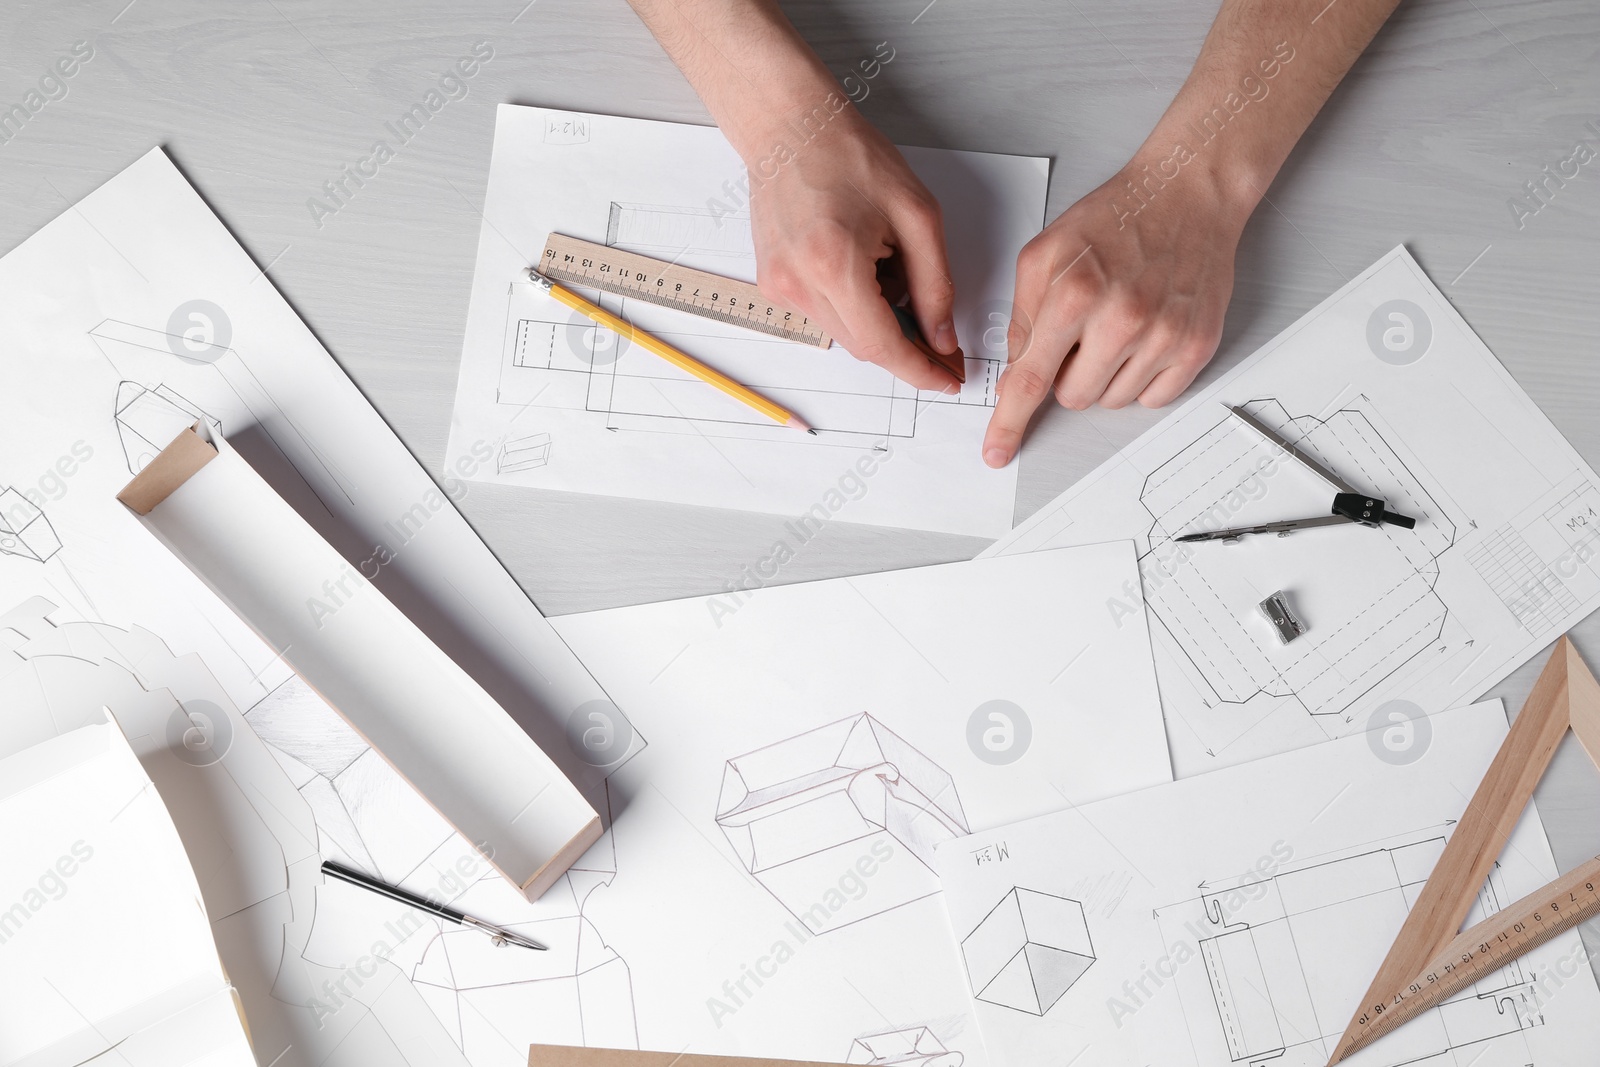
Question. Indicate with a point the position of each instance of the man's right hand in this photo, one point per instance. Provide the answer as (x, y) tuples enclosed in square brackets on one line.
[(824, 213)]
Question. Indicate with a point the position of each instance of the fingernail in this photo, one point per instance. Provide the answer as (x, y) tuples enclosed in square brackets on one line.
[(996, 458), (944, 338), (952, 389)]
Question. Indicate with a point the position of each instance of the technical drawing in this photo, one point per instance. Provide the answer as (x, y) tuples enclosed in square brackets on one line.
[(149, 418), (237, 814), (1537, 584), (318, 791), (25, 530), (559, 362), (1524, 583), (914, 1046), (804, 812), (666, 232), (141, 354), (1277, 972), (578, 992), (583, 367), (1365, 622), (1028, 951), (525, 453), (369, 817)]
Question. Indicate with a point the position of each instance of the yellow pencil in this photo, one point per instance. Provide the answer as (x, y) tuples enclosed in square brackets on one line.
[(776, 412)]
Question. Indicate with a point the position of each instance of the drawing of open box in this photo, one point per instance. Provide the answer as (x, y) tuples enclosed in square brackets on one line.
[(839, 823)]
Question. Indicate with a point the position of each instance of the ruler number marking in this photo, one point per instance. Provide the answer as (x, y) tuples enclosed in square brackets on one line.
[(674, 286)]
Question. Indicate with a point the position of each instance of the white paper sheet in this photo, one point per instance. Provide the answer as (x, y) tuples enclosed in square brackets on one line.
[(104, 943), (1386, 385), (808, 747), (1239, 916), (135, 313), (562, 410), (902, 675), (126, 318)]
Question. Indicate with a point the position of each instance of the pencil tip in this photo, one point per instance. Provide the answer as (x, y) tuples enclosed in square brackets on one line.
[(813, 433)]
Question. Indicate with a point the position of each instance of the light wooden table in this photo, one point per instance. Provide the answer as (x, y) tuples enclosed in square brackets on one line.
[(1456, 105)]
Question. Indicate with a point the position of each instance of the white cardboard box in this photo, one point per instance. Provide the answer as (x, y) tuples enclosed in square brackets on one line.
[(425, 715)]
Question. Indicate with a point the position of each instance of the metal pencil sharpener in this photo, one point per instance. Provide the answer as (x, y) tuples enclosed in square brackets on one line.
[(1284, 622)]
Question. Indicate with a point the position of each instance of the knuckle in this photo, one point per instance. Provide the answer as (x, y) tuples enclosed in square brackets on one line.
[(1079, 389), (1163, 338), (921, 206), (871, 352), (827, 246), (1114, 400), (1154, 400), (1193, 355), (1076, 291), (1032, 258), (1129, 309), (780, 281), (1073, 398), (1019, 334), (1026, 383)]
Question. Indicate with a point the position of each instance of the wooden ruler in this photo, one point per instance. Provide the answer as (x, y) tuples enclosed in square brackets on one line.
[(1483, 949), (614, 270), (1432, 958)]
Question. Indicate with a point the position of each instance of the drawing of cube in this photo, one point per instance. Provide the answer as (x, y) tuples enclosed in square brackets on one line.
[(912, 1047), (24, 530), (1028, 951), (839, 823), (525, 453)]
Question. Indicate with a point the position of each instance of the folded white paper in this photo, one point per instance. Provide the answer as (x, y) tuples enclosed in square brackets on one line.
[(104, 940)]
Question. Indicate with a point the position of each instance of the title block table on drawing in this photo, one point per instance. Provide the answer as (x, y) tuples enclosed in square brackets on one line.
[(1028, 951)]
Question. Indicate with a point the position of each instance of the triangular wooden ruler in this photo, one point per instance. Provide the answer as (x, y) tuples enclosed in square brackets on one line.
[(1430, 960)]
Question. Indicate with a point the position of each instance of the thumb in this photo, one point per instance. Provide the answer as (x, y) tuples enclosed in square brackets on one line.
[(927, 269)]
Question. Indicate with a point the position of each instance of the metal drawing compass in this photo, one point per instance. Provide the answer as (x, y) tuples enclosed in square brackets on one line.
[(1349, 506)]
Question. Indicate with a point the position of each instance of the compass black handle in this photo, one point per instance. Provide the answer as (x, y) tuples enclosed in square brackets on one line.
[(1369, 511)]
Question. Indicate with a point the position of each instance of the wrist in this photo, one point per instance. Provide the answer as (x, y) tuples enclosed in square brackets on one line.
[(793, 107), (1219, 185), (766, 90)]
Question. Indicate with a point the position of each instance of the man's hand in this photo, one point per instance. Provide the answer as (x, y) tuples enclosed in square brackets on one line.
[(1113, 306), (1122, 297), (830, 210), (829, 195)]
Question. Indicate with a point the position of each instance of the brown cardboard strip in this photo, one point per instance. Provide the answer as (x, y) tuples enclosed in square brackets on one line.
[(567, 1056), (176, 464), (545, 877)]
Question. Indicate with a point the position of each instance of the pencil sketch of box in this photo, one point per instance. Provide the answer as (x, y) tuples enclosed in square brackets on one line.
[(24, 530), (1028, 951), (523, 454), (914, 1046), (839, 823), (149, 417)]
